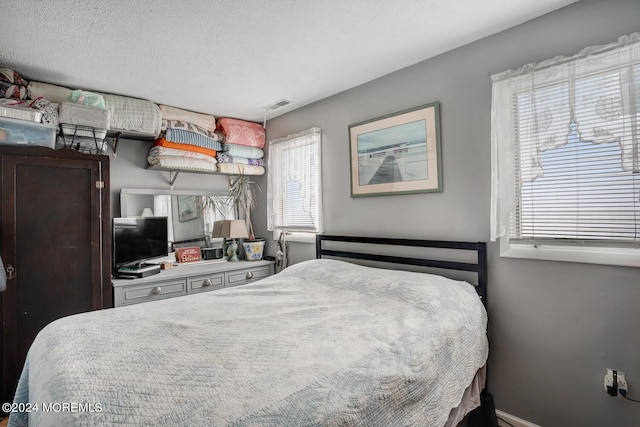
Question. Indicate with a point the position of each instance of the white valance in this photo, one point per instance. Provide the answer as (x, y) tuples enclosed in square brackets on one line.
[(598, 89)]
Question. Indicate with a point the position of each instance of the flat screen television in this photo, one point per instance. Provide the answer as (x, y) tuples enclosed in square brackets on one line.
[(138, 239)]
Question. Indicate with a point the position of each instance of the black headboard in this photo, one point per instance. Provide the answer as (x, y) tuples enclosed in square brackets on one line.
[(480, 266)]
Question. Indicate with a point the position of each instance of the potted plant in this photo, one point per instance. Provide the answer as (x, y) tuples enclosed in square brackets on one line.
[(241, 191)]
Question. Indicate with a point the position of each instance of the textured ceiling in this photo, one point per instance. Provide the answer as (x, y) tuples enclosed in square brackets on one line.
[(233, 58)]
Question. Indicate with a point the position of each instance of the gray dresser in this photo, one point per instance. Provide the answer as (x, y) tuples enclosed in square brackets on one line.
[(187, 279)]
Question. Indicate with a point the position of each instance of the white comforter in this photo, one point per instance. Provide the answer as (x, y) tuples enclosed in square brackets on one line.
[(324, 342)]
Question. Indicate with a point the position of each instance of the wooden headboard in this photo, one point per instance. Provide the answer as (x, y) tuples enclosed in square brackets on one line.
[(479, 266)]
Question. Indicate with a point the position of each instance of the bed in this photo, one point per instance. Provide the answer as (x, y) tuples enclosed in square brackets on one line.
[(324, 342)]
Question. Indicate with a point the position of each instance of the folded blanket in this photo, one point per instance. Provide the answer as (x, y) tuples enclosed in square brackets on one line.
[(242, 132), (10, 76), (216, 135), (183, 136), (226, 158), (162, 142), (9, 90), (182, 163), (243, 151), (51, 93), (12, 85), (204, 121), (240, 169), (165, 151), (133, 114), (49, 110)]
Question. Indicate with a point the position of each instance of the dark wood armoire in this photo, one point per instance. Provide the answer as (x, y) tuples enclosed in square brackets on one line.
[(56, 244)]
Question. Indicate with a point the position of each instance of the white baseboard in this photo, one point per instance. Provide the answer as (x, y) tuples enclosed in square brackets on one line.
[(513, 420)]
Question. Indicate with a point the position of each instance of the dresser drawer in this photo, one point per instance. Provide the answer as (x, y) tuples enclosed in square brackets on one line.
[(187, 279), (247, 275), (154, 291), (206, 283)]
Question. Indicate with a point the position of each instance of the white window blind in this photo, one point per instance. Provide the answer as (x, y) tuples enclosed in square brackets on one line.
[(565, 142), (294, 193)]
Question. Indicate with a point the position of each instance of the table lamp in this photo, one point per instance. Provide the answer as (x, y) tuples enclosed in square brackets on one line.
[(147, 212), (230, 229)]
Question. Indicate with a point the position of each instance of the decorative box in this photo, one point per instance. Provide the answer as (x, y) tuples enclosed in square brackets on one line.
[(189, 254), (82, 120)]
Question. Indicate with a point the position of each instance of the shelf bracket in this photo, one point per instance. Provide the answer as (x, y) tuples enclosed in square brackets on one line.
[(114, 140), (173, 175)]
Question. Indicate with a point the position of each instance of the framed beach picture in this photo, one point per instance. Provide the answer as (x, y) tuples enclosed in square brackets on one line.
[(397, 154)]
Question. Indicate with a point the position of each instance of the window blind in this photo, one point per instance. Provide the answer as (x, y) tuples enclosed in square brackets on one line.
[(565, 141), (583, 195), (294, 191)]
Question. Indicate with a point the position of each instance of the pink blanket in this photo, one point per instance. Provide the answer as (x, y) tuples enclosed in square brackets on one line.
[(242, 132)]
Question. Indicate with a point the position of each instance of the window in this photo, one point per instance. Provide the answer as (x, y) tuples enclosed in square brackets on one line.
[(294, 190), (565, 157)]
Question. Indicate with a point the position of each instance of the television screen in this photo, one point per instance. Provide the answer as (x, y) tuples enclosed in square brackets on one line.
[(138, 239)]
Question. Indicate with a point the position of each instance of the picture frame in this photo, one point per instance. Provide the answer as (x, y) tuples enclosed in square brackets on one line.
[(399, 153), (187, 208)]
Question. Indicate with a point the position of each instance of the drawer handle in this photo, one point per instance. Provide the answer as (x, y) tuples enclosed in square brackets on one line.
[(249, 275), (206, 282), (156, 290)]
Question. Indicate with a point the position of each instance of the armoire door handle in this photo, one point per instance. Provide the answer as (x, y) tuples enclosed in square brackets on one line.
[(10, 272)]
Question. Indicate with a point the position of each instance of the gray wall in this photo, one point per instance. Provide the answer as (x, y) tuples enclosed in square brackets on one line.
[(554, 327)]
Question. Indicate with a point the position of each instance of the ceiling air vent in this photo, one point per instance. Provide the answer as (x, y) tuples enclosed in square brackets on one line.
[(278, 104)]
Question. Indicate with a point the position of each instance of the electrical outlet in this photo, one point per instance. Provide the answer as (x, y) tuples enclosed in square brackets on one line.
[(622, 383), (611, 382)]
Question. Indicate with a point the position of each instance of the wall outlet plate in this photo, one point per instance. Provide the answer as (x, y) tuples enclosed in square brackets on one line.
[(610, 382), (608, 379), (622, 382)]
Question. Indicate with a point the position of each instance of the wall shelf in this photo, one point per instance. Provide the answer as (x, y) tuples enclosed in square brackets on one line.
[(116, 134), (174, 172)]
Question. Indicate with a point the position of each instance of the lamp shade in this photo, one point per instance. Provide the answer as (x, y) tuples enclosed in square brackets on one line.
[(230, 229)]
